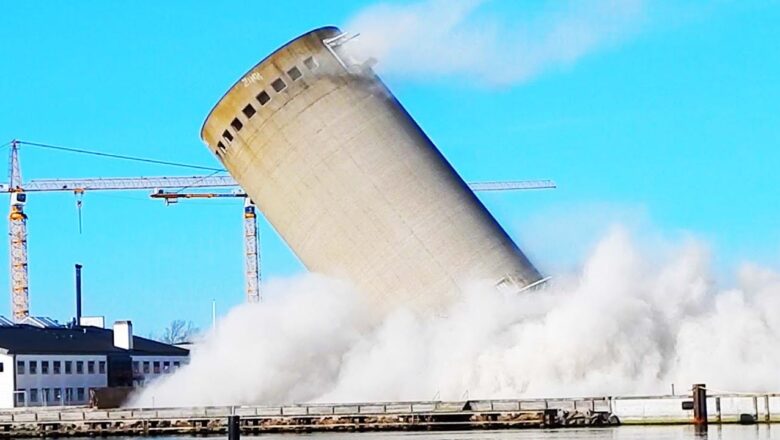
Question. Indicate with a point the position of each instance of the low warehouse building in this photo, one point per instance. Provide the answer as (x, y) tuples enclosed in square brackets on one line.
[(46, 364)]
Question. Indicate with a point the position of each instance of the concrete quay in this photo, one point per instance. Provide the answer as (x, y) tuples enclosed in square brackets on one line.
[(388, 416), (391, 416)]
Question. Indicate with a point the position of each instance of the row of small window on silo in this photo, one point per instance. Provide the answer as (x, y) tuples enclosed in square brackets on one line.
[(294, 73)]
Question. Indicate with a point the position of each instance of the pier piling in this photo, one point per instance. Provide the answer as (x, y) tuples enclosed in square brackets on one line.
[(718, 410), (768, 416), (234, 427), (700, 405), (755, 409)]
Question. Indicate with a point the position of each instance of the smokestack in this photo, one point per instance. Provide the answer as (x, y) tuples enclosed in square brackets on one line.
[(78, 294), (123, 335)]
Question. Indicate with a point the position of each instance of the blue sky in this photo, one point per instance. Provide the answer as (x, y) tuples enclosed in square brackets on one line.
[(673, 125)]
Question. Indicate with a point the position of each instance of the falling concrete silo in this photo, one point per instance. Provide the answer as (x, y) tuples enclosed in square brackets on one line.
[(351, 182)]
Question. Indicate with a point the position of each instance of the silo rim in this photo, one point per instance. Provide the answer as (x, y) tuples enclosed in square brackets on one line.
[(271, 55)]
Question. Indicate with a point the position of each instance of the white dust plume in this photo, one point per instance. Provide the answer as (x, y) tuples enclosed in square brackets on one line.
[(460, 38), (625, 323)]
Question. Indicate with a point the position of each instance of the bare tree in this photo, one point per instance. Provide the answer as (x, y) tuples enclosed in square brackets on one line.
[(178, 331)]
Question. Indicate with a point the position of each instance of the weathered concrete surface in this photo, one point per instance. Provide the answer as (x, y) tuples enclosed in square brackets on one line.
[(352, 183)]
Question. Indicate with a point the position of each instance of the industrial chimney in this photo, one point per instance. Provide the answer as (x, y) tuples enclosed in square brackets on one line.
[(78, 294)]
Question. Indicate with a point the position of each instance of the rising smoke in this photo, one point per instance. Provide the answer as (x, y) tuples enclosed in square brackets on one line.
[(460, 38), (624, 323)]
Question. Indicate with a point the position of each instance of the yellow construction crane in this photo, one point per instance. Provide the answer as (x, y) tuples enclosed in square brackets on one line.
[(17, 218), (251, 238), (19, 190)]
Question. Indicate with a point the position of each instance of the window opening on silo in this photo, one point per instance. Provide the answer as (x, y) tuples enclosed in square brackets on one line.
[(263, 98), (249, 111), (294, 73), (221, 146), (237, 124), (228, 137), (310, 63), (278, 84)]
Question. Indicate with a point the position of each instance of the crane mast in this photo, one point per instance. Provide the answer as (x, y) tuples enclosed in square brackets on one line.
[(251, 253), (19, 276), (17, 231)]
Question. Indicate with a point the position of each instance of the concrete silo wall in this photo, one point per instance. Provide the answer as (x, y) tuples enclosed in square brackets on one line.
[(352, 183)]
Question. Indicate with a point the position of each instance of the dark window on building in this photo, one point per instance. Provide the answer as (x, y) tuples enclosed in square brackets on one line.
[(294, 73), (176, 364), (263, 98), (33, 395), (20, 397), (136, 367), (156, 366), (237, 124), (33, 367), (79, 367), (56, 367), (146, 367), (58, 395), (19, 367), (278, 84), (228, 137), (310, 63), (221, 146), (68, 395), (44, 367), (46, 395), (68, 367), (102, 367), (90, 367), (249, 111), (166, 367), (79, 394)]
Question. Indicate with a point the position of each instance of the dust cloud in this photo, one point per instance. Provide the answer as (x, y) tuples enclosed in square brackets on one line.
[(461, 38), (630, 320)]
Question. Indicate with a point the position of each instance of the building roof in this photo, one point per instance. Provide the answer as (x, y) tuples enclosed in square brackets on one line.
[(28, 339)]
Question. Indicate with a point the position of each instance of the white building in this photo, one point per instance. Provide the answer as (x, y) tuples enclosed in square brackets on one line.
[(44, 364)]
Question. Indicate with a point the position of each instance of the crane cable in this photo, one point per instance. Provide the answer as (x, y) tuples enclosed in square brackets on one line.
[(120, 156), (199, 180), (79, 202)]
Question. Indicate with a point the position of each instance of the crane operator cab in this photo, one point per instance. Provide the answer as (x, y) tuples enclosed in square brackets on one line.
[(18, 199)]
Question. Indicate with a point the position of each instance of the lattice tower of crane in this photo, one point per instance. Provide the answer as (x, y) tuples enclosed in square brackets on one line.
[(161, 189)]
